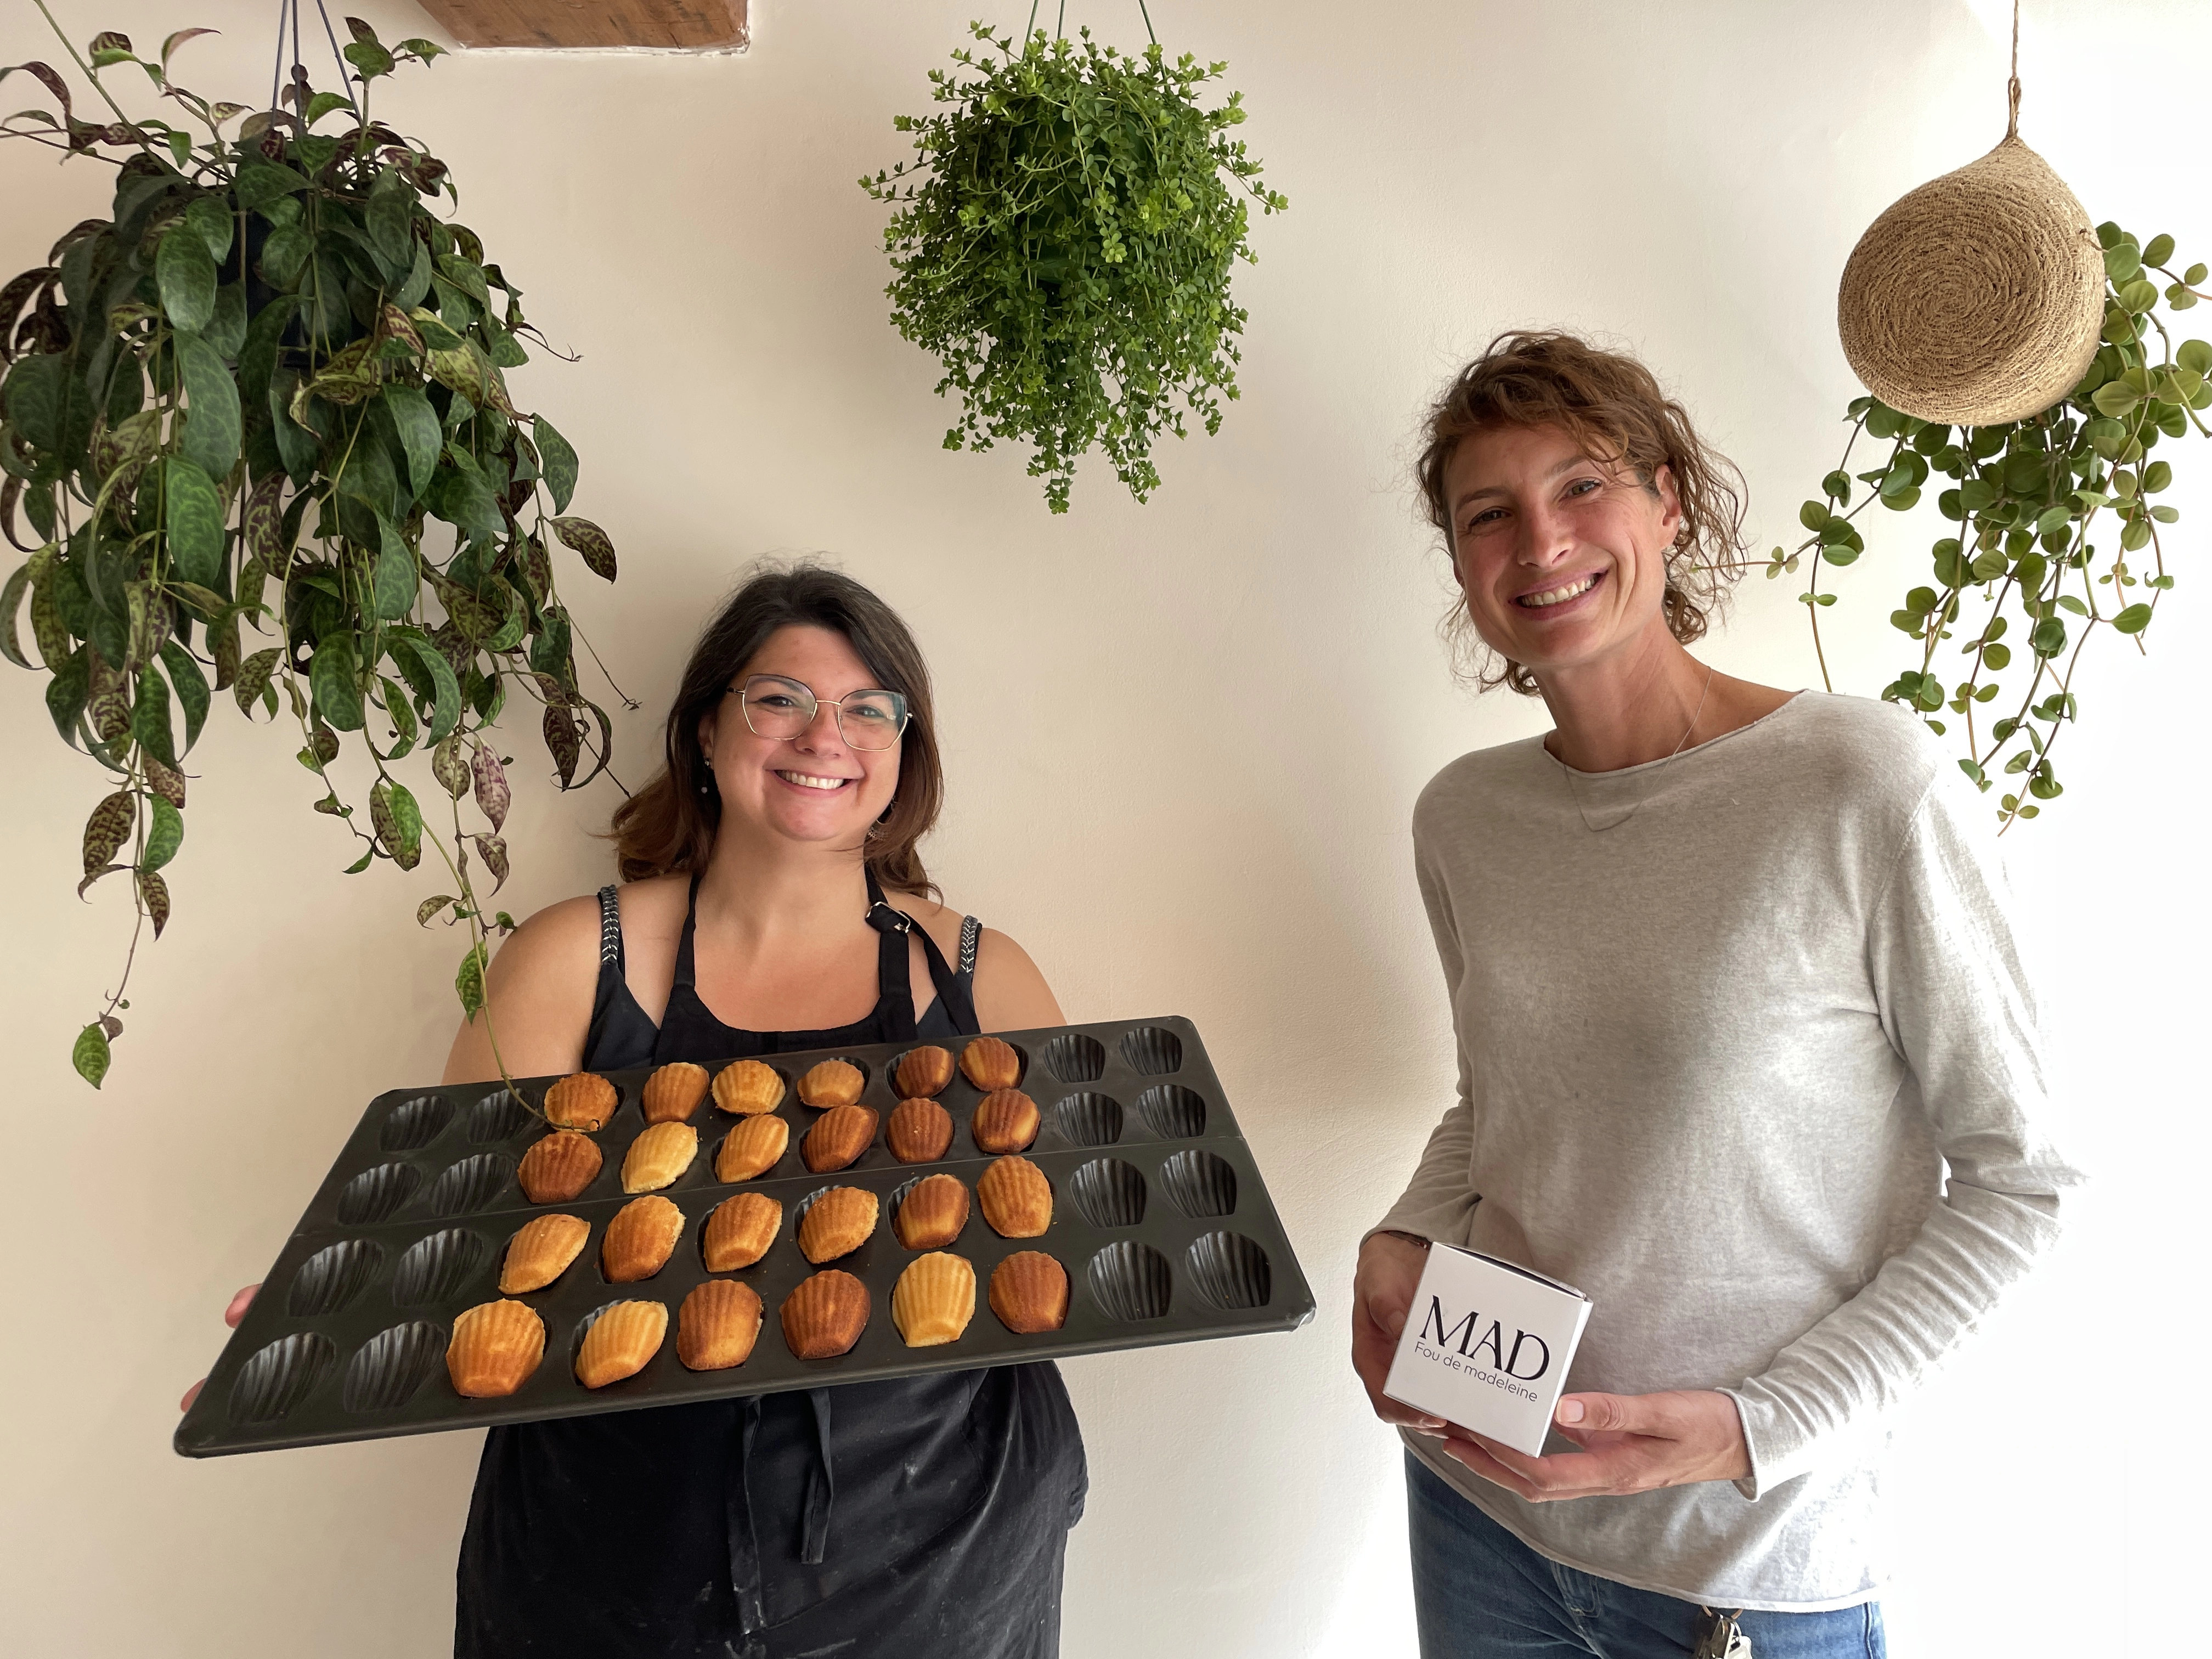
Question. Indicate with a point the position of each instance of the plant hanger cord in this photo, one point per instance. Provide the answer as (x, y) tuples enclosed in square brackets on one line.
[(1060, 29), (288, 16), (2011, 86)]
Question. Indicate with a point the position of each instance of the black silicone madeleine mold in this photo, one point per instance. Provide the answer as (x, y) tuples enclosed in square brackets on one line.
[(1160, 1218)]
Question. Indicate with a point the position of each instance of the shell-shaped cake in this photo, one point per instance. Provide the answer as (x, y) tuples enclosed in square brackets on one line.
[(1016, 1197), (739, 1231), (824, 1315), (540, 1252), (673, 1092), (833, 1083), (584, 1101), (923, 1072), (934, 1299), (640, 1240), (718, 1324), (991, 1064), (1029, 1292), (622, 1339), (839, 1136), (836, 1223), (746, 1088), (496, 1346), (919, 1131), (657, 1157), (1005, 1121), (752, 1148), (932, 1213), (557, 1168)]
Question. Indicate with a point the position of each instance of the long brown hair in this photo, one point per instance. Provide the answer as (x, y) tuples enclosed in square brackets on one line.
[(669, 825), (1612, 406)]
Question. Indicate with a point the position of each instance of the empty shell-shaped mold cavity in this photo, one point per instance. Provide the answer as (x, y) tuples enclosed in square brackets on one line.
[(279, 1377), (1087, 1119), (391, 1365), (471, 1184), (1130, 1282), (437, 1268), (1199, 1184), (1074, 1058), (1230, 1271), (415, 1123), (1173, 1111), (498, 1116), (332, 1277), (1152, 1051), (374, 1195), (1109, 1193)]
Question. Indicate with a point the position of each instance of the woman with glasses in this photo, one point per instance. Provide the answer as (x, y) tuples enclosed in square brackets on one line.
[(772, 900), (1745, 1054)]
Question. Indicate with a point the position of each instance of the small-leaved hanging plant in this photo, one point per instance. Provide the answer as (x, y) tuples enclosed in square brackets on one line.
[(1063, 241), (2056, 531), (262, 400)]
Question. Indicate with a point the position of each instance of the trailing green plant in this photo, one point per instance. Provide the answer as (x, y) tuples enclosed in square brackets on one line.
[(2019, 582), (1063, 241), (251, 402)]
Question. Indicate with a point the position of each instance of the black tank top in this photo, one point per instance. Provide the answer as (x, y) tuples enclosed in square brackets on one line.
[(925, 1517)]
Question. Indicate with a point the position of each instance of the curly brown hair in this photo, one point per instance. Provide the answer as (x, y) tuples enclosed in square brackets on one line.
[(669, 825), (1612, 406)]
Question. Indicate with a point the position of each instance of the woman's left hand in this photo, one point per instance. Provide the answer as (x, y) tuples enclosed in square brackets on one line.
[(1630, 1442)]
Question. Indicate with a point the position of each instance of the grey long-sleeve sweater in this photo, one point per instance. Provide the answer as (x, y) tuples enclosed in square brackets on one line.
[(1714, 1053)]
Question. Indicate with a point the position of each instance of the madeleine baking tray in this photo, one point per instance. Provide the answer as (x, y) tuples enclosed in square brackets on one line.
[(1160, 1218)]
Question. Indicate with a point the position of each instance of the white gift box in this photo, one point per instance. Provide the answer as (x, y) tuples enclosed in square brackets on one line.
[(1487, 1346)]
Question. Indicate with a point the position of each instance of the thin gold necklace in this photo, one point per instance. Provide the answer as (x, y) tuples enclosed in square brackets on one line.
[(1568, 772)]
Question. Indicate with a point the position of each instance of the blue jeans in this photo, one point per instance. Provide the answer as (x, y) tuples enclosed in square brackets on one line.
[(1481, 1592)]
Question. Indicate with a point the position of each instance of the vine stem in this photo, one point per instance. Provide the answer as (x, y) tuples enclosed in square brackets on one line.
[(86, 70)]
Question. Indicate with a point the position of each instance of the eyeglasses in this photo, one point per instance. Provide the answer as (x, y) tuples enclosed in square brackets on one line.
[(780, 708)]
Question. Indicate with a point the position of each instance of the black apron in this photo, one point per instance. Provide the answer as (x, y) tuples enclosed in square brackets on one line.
[(925, 1517)]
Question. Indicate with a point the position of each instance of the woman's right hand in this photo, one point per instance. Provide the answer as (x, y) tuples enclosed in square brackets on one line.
[(231, 1315), (1381, 1294)]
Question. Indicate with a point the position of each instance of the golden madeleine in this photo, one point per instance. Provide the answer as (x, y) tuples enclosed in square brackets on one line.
[(657, 1157), (934, 1299), (824, 1315), (555, 1170), (1016, 1197), (833, 1083), (752, 1148), (738, 1231), (1005, 1121), (923, 1072), (990, 1064), (838, 1137), (622, 1339), (585, 1101), (673, 1092), (746, 1088), (932, 1213), (1029, 1292), (718, 1325), (836, 1223), (540, 1252), (640, 1239), (919, 1131), (495, 1348)]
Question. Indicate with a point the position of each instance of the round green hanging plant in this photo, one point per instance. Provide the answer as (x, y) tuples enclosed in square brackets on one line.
[(262, 399), (1063, 241)]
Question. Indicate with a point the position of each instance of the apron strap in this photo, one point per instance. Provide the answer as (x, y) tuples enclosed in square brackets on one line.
[(821, 1486), (685, 974)]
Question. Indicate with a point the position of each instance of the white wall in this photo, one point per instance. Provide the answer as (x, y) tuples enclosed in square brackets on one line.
[(1223, 834)]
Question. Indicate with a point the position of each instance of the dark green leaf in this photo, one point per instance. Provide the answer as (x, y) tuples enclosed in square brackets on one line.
[(154, 893), (165, 833), (66, 693), (398, 821), (590, 543), (211, 435), (558, 459), (150, 717), (11, 603), (469, 983), (191, 687), (2049, 638), (416, 423), (2133, 620), (393, 574), (185, 271), (90, 1055), (194, 509), (417, 656), (333, 679), (210, 220), (253, 677)]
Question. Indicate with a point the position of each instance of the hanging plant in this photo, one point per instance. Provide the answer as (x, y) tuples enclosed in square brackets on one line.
[(1063, 243), (250, 404), (2055, 532)]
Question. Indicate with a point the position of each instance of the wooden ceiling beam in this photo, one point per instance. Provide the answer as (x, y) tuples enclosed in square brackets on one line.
[(669, 25)]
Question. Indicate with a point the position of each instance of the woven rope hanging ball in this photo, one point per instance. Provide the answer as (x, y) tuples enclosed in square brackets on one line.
[(1979, 298)]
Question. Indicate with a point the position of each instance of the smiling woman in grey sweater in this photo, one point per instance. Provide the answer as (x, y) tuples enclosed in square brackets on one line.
[(1733, 985)]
